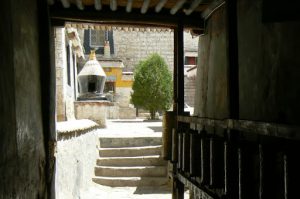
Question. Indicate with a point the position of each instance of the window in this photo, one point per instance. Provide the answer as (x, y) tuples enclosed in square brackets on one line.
[(107, 69), (68, 65), (91, 87), (97, 38), (109, 86), (190, 60)]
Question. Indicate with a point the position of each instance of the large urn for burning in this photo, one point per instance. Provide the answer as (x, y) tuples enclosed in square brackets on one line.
[(91, 80)]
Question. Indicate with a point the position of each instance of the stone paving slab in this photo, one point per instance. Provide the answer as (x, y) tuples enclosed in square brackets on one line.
[(132, 128), (105, 192)]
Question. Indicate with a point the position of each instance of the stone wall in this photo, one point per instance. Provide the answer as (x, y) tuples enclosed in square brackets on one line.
[(75, 160), (134, 46), (22, 159)]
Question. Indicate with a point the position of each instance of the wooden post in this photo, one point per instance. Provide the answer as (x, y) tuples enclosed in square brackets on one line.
[(177, 189), (195, 154), (186, 152)]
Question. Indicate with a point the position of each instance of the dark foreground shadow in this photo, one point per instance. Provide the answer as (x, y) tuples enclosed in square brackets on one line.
[(153, 190)]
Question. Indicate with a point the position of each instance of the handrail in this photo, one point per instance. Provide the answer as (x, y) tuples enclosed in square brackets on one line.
[(261, 128)]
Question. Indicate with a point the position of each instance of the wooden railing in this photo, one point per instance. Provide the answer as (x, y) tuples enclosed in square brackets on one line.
[(235, 158)]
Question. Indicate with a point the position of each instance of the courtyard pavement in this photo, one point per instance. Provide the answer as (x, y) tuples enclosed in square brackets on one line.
[(130, 128)]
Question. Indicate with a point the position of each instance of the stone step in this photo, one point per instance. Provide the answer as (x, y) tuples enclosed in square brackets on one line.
[(130, 151), (154, 160), (137, 171), (116, 142), (131, 181)]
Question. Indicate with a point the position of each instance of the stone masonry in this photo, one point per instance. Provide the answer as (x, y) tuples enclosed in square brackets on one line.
[(133, 47)]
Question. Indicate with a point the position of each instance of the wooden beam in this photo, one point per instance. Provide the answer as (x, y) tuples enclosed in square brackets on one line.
[(98, 5), (246, 126), (180, 69), (160, 5), (145, 6), (113, 5), (177, 6), (129, 6), (65, 3), (233, 64), (50, 2), (90, 15), (79, 4), (193, 6), (215, 5)]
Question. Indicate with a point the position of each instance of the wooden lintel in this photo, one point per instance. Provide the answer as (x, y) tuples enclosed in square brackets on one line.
[(90, 15)]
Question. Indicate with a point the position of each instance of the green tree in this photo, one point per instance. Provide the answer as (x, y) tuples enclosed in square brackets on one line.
[(152, 86)]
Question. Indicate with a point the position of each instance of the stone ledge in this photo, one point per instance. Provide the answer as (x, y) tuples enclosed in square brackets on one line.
[(74, 128)]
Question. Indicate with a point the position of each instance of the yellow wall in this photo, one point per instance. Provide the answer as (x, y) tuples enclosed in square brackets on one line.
[(119, 82)]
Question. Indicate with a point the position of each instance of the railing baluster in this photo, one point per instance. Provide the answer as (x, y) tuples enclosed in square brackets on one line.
[(186, 152), (205, 172), (195, 154), (216, 162), (174, 146)]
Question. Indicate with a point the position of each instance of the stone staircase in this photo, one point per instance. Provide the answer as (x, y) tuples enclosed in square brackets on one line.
[(130, 161)]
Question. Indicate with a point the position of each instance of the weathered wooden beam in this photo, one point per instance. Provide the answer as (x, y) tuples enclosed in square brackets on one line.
[(205, 163), (186, 152), (254, 127), (160, 5), (193, 6), (113, 5), (233, 64), (213, 6), (199, 191), (129, 6), (65, 3), (180, 69), (174, 146), (231, 165), (177, 6), (90, 15), (195, 154), (79, 4), (177, 189), (98, 5), (50, 2), (180, 151), (216, 162), (145, 6)]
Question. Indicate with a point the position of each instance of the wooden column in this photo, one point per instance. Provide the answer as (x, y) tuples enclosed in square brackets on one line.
[(178, 105), (178, 74), (48, 90)]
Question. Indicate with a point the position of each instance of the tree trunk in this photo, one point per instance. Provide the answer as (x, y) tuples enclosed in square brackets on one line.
[(152, 114)]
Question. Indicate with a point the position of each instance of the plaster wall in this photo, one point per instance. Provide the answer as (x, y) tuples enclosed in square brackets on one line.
[(22, 160), (65, 93), (75, 161), (60, 65), (93, 110)]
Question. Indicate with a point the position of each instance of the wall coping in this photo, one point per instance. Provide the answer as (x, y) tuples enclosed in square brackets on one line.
[(74, 128)]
